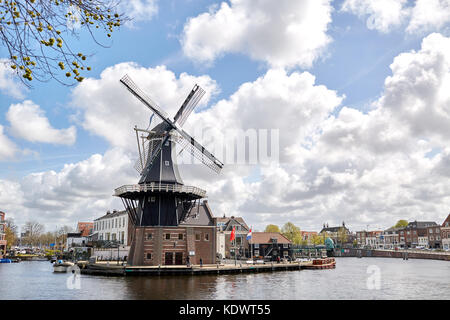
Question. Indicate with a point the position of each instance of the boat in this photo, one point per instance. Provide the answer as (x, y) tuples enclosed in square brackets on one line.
[(324, 263), (61, 266), (5, 261)]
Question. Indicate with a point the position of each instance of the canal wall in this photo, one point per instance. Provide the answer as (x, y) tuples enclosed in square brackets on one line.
[(403, 254)]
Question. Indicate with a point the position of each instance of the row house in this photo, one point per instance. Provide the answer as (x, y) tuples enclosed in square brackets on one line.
[(434, 237), (391, 238), (113, 226), (3, 242), (420, 233), (372, 239), (226, 248), (445, 233)]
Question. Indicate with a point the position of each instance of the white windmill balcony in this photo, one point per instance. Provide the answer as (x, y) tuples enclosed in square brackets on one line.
[(128, 190)]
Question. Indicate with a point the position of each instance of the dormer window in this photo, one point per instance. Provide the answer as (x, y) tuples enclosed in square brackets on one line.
[(167, 163)]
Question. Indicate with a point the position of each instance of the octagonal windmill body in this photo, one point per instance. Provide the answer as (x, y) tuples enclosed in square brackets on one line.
[(160, 198)]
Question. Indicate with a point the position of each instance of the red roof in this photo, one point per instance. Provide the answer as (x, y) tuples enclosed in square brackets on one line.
[(265, 237), (85, 228)]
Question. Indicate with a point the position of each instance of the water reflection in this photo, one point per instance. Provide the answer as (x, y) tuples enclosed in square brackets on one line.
[(412, 279)]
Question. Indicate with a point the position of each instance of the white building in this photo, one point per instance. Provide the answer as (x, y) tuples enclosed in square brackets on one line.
[(113, 226)]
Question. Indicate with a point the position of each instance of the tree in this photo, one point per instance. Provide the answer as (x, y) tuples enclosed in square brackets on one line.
[(317, 239), (401, 224), (35, 33), (10, 233), (342, 235), (33, 231), (292, 232), (272, 228)]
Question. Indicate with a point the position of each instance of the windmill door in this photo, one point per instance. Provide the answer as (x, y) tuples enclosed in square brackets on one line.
[(169, 258), (178, 257)]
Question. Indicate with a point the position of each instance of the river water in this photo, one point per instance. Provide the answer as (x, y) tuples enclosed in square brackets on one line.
[(353, 278)]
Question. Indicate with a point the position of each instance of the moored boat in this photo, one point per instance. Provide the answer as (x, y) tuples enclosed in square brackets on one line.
[(324, 263), (61, 266)]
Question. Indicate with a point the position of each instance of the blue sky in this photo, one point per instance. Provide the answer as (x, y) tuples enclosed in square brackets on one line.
[(354, 64)]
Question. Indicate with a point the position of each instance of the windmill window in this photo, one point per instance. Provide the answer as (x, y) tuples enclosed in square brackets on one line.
[(149, 256), (167, 143), (167, 236), (206, 236), (149, 236), (152, 199), (167, 163), (180, 236), (197, 236)]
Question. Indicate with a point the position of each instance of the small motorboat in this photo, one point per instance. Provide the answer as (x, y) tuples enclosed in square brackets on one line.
[(324, 263), (61, 266), (5, 261)]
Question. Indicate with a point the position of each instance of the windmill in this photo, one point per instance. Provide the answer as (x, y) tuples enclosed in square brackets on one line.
[(160, 198)]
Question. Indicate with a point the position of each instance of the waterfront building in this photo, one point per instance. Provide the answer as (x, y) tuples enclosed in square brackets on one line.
[(224, 226), (270, 245), (340, 235), (391, 238), (3, 242), (113, 226), (445, 233), (361, 238), (308, 236), (409, 235), (75, 239), (110, 236), (434, 236)]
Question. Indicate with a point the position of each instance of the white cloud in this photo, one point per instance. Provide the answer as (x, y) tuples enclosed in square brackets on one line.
[(362, 168), (8, 148), (28, 122), (282, 33), (383, 15), (139, 10), (8, 83), (418, 16), (111, 111), (80, 191), (428, 15)]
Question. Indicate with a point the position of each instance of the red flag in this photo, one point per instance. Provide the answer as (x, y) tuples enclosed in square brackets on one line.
[(233, 234)]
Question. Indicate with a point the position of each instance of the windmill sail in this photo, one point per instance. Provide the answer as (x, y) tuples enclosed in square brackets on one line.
[(138, 93), (188, 105), (198, 151)]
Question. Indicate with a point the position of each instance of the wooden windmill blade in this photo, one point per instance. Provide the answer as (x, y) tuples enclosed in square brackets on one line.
[(198, 151), (145, 99), (188, 105)]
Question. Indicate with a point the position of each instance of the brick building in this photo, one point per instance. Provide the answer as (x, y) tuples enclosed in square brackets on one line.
[(417, 232), (3, 242), (434, 236), (445, 233), (195, 238)]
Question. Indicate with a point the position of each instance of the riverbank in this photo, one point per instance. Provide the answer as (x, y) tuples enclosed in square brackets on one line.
[(402, 254)]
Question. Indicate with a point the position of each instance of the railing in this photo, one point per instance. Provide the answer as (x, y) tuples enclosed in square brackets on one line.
[(158, 187)]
